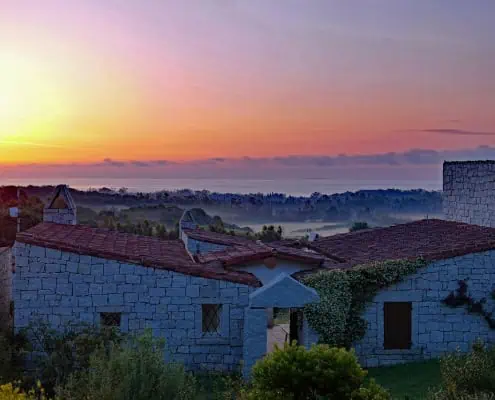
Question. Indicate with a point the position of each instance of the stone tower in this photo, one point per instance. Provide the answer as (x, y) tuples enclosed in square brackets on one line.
[(62, 209), (469, 192)]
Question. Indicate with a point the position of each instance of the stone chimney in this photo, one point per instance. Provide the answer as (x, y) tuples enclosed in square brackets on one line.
[(186, 222), (62, 209)]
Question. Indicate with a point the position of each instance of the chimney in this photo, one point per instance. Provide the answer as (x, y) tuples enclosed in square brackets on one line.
[(186, 222), (62, 209)]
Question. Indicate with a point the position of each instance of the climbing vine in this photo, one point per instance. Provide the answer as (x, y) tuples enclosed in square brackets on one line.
[(461, 298), (337, 318)]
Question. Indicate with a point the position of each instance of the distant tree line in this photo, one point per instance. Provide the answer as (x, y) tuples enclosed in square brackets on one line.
[(30, 213)]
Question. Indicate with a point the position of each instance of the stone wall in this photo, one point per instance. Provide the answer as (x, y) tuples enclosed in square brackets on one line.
[(5, 287), (469, 192), (436, 328), (62, 287), (60, 216)]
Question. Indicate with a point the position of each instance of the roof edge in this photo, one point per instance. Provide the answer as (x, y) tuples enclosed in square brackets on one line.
[(195, 270), (469, 162)]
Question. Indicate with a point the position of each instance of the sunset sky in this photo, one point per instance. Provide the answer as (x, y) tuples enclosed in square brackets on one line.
[(161, 83)]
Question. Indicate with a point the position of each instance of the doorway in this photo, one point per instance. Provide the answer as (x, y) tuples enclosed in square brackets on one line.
[(286, 327)]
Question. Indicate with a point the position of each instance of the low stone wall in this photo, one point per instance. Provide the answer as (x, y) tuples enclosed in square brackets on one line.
[(468, 189), (5, 287), (436, 328), (63, 287)]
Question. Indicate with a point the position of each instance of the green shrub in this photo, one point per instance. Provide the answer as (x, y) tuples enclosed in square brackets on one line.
[(11, 391), (133, 371), (12, 352), (58, 354), (320, 372), (471, 374), (442, 395)]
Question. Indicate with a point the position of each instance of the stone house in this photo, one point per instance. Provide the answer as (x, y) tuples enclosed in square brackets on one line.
[(408, 321), (210, 294), (206, 294)]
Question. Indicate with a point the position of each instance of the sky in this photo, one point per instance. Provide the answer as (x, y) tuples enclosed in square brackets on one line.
[(244, 87)]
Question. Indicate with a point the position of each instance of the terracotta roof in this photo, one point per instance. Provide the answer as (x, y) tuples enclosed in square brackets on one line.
[(243, 250), (432, 239), (236, 255), (125, 247)]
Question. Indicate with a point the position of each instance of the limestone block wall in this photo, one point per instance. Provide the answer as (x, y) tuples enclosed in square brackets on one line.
[(60, 216), (469, 192), (5, 287), (436, 328), (62, 287)]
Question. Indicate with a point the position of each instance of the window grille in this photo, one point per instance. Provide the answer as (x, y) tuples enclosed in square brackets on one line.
[(211, 317)]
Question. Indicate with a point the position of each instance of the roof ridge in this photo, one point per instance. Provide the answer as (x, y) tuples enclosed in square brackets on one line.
[(124, 247)]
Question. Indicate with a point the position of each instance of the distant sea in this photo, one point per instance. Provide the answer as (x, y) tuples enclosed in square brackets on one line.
[(295, 187)]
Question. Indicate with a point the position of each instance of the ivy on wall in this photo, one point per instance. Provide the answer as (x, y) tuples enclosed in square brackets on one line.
[(337, 318), (461, 298)]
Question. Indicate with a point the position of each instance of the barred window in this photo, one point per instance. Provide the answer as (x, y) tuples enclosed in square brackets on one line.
[(110, 319), (211, 317)]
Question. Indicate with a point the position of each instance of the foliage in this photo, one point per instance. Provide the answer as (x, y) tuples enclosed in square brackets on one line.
[(30, 212), (460, 298), (337, 318), (58, 354), (467, 374), (134, 370), (359, 225), (269, 233), (294, 372), (10, 391), (12, 350), (220, 386), (441, 395)]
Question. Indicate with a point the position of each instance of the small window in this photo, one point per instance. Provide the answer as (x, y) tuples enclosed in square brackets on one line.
[(211, 318), (397, 325), (110, 319)]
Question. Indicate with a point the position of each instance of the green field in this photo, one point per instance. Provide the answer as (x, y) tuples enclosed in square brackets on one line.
[(408, 381)]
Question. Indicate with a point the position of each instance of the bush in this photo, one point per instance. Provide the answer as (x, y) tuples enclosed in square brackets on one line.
[(467, 375), (322, 371), (12, 392), (133, 371), (12, 350), (58, 354)]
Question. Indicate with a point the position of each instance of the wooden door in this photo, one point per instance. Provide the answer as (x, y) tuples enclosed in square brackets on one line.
[(397, 329)]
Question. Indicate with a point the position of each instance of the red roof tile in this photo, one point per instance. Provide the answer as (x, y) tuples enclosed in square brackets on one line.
[(432, 239), (125, 247), (243, 250)]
